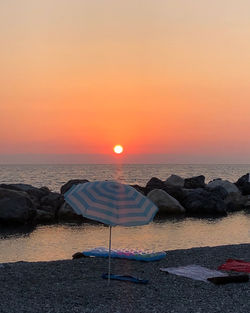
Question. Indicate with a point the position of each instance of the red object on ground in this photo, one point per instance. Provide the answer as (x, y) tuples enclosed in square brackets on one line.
[(235, 265)]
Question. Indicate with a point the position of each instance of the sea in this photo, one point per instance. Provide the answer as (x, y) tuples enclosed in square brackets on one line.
[(60, 241)]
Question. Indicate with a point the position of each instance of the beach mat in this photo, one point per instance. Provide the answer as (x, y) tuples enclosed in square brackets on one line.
[(194, 271), (235, 265), (125, 254)]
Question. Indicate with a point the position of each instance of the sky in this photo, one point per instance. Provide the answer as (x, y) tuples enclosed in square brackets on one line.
[(168, 80)]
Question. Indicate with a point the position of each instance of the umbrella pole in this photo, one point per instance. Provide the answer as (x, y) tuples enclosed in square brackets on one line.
[(110, 228)]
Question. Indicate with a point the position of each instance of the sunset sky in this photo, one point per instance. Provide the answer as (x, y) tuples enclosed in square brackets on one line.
[(168, 80)]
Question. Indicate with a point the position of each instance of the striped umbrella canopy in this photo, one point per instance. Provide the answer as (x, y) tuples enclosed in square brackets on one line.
[(111, 203)]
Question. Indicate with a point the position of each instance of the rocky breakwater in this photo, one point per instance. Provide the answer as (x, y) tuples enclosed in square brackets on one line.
[(26, 204)]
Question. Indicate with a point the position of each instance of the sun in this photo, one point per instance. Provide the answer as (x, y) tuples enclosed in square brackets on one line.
[(118, 149)]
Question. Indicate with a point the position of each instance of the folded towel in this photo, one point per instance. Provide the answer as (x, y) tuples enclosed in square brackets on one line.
[(193, 271)]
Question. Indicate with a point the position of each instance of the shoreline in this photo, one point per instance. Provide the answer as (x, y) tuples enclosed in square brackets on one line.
[(77, 285)]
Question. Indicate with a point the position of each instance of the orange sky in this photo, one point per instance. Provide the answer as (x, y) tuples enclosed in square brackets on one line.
[(159, 77)]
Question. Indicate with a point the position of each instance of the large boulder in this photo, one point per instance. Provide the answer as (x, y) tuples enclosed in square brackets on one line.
[(245, 189), (53, 201), (15, 207), (243, 179), (174, 181), (44, 216), (202, 202), (176, 192), (247, 203), (35, 194), (243, 183), (233, 199), (29, 189), (166, 203), (139, 188), (72, 182), (220, 192), (154, 183), (227, 185), (195, 182), (67, 214), (235, 202)]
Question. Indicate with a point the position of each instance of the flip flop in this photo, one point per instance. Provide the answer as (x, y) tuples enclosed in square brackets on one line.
[(126, 278)]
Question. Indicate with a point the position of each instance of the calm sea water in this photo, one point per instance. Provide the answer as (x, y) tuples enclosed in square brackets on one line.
[(54, 176), (61, 241)]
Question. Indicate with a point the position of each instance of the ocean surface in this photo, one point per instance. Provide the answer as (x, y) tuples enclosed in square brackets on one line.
[(54, 176), (54, 242)]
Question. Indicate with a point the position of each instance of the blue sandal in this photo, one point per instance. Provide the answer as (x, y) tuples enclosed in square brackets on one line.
[(126, 278)]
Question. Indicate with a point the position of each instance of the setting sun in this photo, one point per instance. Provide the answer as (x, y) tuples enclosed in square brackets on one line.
[(118, 149)]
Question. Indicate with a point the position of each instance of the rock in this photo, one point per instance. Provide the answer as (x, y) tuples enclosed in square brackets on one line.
[(229, 187), (235, 202), (219, 191), (166, 203), (175, 181), (243, 179), (243, 183), (176, 192), (53, 200), (66, 213), (154, 183), (15, 207), (194, 182), (233, 199), (245, 189), (29, 189), (139, 188), (35, 194), (200, 201), (247, 203), (48, 208), (44, 216), (72, 182)]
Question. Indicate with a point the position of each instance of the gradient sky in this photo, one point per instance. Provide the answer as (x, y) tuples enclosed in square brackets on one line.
[(169, 80)]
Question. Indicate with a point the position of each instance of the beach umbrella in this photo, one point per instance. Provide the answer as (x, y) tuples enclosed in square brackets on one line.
[(111, 203)]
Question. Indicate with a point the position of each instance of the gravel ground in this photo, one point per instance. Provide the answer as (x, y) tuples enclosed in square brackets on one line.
[(77, 286)]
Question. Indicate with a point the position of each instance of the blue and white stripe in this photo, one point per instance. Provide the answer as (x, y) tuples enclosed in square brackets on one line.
[(111, 203)]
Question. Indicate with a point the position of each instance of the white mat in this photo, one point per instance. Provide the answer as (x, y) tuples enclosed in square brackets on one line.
[(193, 271)]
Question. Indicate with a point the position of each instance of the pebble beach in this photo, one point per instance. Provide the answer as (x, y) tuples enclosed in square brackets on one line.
[(78, 286)]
